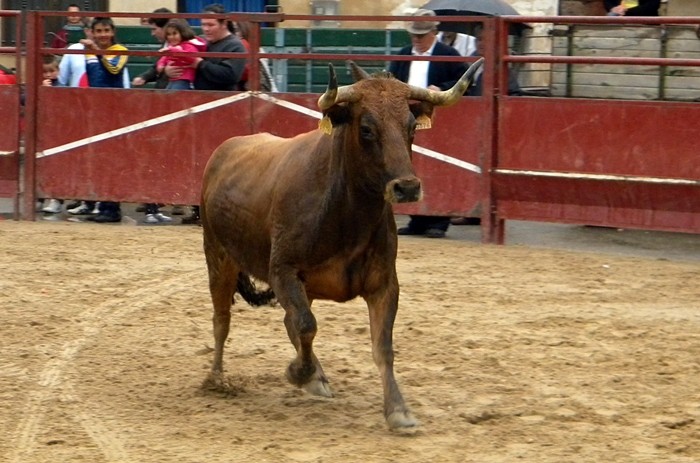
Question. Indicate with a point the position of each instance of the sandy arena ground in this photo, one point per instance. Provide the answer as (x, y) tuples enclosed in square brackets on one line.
[(504, 353)]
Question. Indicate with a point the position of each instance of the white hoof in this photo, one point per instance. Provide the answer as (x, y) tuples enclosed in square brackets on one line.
[(318, 387), (401, 420)]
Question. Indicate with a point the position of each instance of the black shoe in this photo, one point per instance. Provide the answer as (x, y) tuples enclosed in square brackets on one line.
[(108, 218), (435, 233), (409, 231), (465, 221), (192, 219)]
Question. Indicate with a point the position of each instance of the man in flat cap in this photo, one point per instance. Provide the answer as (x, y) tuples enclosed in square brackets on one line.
[(434, 75)]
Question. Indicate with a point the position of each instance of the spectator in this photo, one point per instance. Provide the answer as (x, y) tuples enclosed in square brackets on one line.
[(71, 73), (476, 89), (157, 25), (50, 71), (632, 7), (214, 73), (152, 74), (463, 43), (105, 71), (432, 75), (267, 83), (466, 45), (181, 38), (50, 79), (73, 24)]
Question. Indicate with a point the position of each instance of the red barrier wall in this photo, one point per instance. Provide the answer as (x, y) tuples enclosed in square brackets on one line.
[(614, 163), (9, 140)]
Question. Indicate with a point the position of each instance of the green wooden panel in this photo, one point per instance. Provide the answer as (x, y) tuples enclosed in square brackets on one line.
[(399, 38), (297, 72), (136, 69), (75, 36), (267, 36), (294, 38), (348, 38)]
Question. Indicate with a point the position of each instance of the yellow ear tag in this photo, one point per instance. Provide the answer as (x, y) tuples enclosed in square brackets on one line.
[(325, 125), (423, 122)]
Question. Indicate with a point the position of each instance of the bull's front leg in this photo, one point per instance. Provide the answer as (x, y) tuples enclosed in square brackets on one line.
[(382, 306), (305, 370)]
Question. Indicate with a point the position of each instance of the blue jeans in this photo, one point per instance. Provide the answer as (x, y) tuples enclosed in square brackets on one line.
[(179, 85)]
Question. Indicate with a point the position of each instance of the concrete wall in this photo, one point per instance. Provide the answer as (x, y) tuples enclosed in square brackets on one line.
[(398, 7), (139, 6), (683, 8)]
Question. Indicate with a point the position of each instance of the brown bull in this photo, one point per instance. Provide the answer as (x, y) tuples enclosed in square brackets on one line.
[(312, 217)]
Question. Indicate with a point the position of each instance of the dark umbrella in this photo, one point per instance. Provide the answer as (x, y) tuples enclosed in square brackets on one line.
[(472, 8)]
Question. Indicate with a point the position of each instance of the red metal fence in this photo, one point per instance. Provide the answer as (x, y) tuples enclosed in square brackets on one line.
[(614, 163), (618, 163), (9, 117)]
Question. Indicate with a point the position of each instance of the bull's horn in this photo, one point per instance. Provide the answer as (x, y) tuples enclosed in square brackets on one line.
[(357, 72), (447, 97), (333, 94)]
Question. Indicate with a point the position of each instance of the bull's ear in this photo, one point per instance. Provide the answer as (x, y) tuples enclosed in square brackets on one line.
[(423, 112), (333, 117)]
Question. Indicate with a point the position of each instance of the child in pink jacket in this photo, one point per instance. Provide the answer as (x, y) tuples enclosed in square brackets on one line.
[(180, 38)]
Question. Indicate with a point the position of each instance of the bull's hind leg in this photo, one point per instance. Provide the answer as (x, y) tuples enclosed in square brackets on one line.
[(305, 370), (382, 311), (223, 275)]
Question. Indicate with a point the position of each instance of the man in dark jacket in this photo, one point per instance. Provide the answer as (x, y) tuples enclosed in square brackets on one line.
[(152, 75), (215, 73), (219, 73), (632, 7), (434, 75)]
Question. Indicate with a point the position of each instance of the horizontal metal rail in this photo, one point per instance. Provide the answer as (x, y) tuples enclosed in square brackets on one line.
[(599, 177)]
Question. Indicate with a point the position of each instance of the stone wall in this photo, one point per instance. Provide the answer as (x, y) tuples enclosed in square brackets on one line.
[(581, 8)]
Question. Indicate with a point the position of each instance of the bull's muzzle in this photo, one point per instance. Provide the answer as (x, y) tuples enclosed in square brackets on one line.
[(404, 190)]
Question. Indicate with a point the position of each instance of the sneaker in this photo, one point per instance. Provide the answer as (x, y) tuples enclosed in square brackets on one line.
[(96, 209), (51, 217), (158, 217), (54, 206), (73, 205), (82, 209)]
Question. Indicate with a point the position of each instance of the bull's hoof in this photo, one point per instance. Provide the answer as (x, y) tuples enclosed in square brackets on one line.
[(214, 380), (402, 420), (319, 387), (309, 378)]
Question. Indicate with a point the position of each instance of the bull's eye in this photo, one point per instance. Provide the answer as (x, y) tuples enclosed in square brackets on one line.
[(366, 132)]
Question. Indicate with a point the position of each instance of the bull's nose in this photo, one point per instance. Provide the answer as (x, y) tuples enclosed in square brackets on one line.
[(404, 190)]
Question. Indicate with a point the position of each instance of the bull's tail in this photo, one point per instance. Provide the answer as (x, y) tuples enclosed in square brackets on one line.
[(246, 287)]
